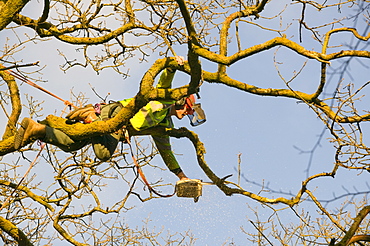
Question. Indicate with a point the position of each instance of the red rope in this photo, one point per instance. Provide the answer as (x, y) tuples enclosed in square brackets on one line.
[(141, 172), (24, 79)]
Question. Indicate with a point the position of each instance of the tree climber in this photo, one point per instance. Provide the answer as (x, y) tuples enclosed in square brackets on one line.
[(155, 113)]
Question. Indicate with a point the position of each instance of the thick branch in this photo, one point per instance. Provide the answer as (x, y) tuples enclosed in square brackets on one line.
[(40, 199), (188, 22), (46, 29), (8, 11), (11, 126), (359, 238), (193, 58), (14, 232), (352, 230), (224, 33), (343, 29), (45, 12), (308, 98), (278, 41)]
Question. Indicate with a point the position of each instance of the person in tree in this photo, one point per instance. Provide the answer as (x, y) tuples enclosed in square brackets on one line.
[(155, 113)]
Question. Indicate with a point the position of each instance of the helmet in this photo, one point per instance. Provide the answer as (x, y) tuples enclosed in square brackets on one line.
[(193, 110)]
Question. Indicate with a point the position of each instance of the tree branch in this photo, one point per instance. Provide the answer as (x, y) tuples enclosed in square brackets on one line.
[(349, 236), (9, 10), (14, 232), (11, 126)]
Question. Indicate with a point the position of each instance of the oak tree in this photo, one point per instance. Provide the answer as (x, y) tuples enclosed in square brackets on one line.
[(219, 38)]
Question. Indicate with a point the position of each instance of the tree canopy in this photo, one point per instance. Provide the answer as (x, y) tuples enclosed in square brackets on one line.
[(318, 52)]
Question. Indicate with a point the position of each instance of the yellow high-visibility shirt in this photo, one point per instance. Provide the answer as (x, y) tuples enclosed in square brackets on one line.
[(155, 113)]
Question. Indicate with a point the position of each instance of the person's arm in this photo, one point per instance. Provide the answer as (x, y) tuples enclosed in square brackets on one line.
[(164, 148), (163, 143), (165, 80)]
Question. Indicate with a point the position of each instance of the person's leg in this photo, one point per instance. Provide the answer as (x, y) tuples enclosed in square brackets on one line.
[(104, 146), (31, 130), (62, 140)]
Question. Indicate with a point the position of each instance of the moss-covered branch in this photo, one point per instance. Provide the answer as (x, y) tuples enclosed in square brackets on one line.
[(273, 92), (40, 199), (350, 234), (47, 29), (11, 126), (278, 41), (14, 232), (8, 9)]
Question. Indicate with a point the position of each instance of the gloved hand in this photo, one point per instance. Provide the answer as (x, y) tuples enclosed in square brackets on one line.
[(85, 114), (180, 60)]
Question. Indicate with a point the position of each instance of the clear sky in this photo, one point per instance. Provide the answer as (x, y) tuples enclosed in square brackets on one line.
[(274, 136)]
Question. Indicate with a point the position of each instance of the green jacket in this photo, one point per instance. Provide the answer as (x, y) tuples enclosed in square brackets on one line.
[(156, 113)]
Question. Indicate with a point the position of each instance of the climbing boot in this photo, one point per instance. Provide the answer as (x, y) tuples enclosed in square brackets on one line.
[(85, 114), (29, 130)]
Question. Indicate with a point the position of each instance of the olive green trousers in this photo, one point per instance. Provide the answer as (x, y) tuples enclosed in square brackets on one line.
[(104, 146)]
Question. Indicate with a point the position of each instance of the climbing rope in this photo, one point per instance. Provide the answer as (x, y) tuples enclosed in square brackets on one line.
[(25, 80), (140, 171)]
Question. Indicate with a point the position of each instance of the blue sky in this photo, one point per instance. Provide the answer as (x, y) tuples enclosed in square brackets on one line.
[(267, 132)]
